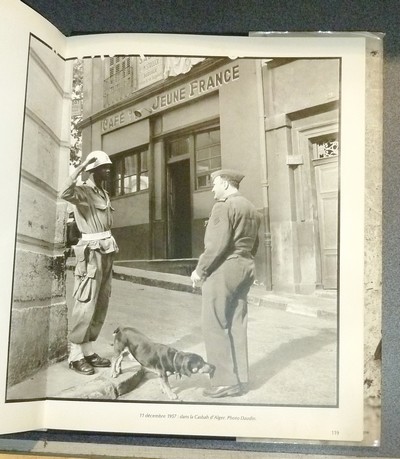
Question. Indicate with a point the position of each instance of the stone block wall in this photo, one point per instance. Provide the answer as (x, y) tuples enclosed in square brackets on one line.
[(38, 333)]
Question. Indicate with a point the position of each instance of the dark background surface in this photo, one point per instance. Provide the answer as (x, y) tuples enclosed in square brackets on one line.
[(75, 17)]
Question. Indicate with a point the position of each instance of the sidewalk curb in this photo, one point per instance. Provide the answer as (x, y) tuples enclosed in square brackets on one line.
[(289, 306), (183, 284), (105, 387), (154, 280)]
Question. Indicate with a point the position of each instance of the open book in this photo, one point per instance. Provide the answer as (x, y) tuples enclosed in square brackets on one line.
[(300, 117)]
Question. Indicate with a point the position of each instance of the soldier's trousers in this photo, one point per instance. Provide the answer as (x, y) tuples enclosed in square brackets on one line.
[(92, 290), (224, 320)]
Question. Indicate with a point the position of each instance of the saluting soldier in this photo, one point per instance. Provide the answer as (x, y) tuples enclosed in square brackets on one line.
[(94, 254), (226, 270)]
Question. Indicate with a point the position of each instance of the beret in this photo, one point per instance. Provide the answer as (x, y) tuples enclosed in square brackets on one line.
[(235, 175)]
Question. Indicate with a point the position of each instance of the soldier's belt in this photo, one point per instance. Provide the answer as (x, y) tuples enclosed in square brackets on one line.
[(95, 236), (240, 254)]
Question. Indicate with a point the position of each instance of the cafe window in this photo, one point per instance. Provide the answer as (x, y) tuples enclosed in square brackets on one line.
[(179, 147), (208, 156), (205, 147), (129, 173)]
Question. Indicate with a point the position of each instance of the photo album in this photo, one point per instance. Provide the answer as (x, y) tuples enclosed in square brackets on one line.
[(192, 238)]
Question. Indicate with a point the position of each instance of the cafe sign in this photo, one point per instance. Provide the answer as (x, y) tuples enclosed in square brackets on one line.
[(196, 88), (186, 92)]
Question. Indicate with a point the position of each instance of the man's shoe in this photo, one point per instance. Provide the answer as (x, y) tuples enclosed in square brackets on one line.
[(81, 367), (245, 387), (97, 361), (223, 391)]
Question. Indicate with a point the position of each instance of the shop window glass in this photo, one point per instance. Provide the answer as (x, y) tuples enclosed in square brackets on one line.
[(203, 181), (206, 148), (215, 163), (144, 171), (208, 156), (178, 147), (129, 174)]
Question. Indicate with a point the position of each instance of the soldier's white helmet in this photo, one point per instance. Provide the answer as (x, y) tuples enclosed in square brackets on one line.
[(101, 159)]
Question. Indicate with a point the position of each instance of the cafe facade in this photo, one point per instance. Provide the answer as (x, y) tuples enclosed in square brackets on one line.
[(167, 123)]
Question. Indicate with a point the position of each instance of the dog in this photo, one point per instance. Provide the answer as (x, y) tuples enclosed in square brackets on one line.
[(157, 358)]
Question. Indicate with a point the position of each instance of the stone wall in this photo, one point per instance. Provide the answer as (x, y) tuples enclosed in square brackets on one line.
[(301, 106), (39, 312)]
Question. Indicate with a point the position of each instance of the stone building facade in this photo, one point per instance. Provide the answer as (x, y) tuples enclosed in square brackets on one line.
[(301, 100), (39, 311), (167, 123)]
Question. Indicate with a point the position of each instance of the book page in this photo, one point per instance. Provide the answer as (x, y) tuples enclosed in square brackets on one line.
[(289, 114), (20, 22)]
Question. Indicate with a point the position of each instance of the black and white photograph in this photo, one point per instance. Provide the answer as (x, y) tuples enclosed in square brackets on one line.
[(179, 240), (214, 226)]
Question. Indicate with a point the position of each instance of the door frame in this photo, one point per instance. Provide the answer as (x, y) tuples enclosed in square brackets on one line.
[(170, 232), (304, 138)]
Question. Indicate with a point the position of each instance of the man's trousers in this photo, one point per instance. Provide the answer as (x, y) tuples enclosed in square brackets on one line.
[(92, 290), (224, 320)]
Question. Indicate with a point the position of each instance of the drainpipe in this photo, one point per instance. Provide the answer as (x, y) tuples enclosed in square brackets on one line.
[(264, 175)]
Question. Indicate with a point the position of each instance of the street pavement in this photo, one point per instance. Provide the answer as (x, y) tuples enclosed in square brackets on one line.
[(292, 346)]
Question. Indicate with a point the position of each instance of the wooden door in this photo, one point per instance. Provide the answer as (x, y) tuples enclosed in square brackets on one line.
[(326, 178), (179, 210)]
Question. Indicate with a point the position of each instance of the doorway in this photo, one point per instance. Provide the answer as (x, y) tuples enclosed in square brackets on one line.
[(179, 210)]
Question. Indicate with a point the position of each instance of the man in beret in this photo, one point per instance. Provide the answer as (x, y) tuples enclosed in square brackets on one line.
[(226, 271)]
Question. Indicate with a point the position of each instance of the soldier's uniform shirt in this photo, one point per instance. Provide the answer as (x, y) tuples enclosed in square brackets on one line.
[(227, 268), (94, 259), (93, 211)]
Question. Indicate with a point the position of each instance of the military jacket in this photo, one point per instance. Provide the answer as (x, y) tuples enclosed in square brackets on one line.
[(92, 211), (231, 230)]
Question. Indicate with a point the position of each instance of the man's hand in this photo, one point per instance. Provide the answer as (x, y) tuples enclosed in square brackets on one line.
[(81, 168), (195, 278)]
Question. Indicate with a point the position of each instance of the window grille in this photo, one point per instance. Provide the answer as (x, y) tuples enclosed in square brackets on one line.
[(122, 80), (327, 149)]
